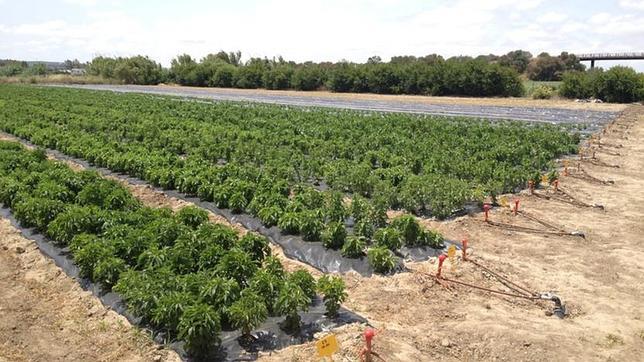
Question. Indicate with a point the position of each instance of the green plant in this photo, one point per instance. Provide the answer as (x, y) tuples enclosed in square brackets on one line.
[(381, 259), (354, 246), (237, 203), (408, 227), (248, 312), (256, 245), (192, 216), (388, 237), (169, 309), (289, 223), (199, 326), (334, 235), (108, 270), (304, 280), (292, 299), (333, 290), (542, 92), (311, 226), (270, 215)]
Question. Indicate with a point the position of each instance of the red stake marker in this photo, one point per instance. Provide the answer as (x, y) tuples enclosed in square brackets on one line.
[(556, 185), (531, 187), (464, 249), (486, 209), (441, 259), (516, 206)]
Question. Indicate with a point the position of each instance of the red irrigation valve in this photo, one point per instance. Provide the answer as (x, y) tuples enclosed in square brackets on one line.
[(441, 259), (531, 186), (516, 206), (464, 249), (565, 173), (556, 184), (486, 209), (369, 333)]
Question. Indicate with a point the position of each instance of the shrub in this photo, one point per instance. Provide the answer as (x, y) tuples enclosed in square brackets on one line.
[(170, 308), (334, 235), (575, 85), (354, 246), (192, 216), (381, 259), (333, 290), (542, 92)]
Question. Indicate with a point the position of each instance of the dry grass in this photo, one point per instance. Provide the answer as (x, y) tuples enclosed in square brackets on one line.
[(58, 79)]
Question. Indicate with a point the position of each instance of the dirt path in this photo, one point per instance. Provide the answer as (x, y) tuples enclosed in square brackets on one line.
[(600, 279)]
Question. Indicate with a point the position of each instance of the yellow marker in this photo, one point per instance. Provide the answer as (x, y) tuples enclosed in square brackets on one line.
[(327, 346), (451, 254), (503, 200), (544, 179), (566, 163)]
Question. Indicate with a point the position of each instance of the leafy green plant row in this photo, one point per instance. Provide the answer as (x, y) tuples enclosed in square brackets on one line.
[(178, 271), (265, 160)]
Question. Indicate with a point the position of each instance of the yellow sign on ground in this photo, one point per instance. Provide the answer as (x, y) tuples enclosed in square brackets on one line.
[(451, 251), (327, 346), (544, 179), (503, 200)]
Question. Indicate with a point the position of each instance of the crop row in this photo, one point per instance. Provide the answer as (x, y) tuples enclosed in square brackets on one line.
[(271, 161), (181, 273)]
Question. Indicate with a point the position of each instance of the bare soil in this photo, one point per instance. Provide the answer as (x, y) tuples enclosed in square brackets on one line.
[(598, 277)]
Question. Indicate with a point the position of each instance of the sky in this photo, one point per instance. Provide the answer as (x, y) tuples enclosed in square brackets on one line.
[(317, 30)]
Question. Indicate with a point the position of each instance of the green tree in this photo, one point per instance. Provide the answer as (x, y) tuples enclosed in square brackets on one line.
[(292, 299)]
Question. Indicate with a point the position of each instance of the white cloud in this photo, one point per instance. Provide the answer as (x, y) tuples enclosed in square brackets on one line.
[(632, 4), (81, 2), (552, 17)]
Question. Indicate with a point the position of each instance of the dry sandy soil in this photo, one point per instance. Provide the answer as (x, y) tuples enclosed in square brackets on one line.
[(599, 278)]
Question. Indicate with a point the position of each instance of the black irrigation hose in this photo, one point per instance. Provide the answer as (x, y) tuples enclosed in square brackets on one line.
[(528, 229), (502, 278), (546, 224)]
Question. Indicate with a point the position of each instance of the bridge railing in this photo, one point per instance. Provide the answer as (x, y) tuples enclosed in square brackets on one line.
[(611, 55)]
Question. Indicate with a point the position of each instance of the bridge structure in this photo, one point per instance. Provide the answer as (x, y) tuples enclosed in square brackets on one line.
[(609, 56)]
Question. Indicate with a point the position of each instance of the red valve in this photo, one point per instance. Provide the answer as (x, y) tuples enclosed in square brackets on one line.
[(556, 183), (516, 206), (531, 186), (486, 209), (464, 249), (441, 259)]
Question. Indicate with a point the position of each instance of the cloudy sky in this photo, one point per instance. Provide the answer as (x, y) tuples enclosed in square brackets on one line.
[(316, 29)]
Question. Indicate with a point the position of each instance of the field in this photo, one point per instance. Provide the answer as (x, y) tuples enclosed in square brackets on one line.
[(363, 183)]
